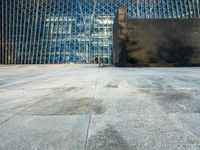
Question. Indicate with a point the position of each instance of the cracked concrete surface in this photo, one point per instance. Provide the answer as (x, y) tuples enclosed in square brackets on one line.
[(83, 107)]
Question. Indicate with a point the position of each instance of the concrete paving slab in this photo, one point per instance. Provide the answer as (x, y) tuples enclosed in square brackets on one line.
[(176, 100), (44, 132), (60, 106), (125, 105), (189, 121), (70, 106), (39, 77), (150, 78), (138, 132), (14, 101), (63, 101)]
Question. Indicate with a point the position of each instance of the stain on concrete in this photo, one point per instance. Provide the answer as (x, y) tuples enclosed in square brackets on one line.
[(63, 90), (57, 102), (113, 84), (79, 106), (168, 95), (71, 106), (152, 82), (172, 95), (108, 139), (197, 111), (60, 106), (174, 100), (98, 108)]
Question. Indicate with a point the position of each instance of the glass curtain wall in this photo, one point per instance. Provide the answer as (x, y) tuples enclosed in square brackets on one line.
[(73, 31)]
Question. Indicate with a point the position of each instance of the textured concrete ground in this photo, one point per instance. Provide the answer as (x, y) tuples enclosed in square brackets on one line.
[(77, 107)]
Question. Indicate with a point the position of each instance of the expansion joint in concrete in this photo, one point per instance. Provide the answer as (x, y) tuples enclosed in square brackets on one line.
[(90, 115)]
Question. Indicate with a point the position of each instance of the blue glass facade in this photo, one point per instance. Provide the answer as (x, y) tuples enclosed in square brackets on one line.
[(77, 31)]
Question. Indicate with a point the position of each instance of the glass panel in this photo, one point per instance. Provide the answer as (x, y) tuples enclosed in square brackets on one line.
[(77, 31)]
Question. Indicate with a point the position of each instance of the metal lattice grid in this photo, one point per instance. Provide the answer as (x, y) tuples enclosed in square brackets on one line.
[(78, 31)]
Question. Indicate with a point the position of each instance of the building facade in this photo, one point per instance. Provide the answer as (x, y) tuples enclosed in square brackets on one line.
[(73, 31)]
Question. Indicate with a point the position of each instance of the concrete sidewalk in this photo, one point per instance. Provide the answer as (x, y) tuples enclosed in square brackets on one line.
[(83, 107)]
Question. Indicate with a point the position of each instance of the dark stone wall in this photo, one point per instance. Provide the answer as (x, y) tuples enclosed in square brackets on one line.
[(161, 42), (166, 42)]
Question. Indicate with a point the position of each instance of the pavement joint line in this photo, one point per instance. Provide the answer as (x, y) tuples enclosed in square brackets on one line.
[(90, 116), (108, 114), (38, 89), (51, 115)]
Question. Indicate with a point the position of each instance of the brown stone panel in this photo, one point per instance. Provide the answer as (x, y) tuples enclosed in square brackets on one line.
[(120, 38)]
